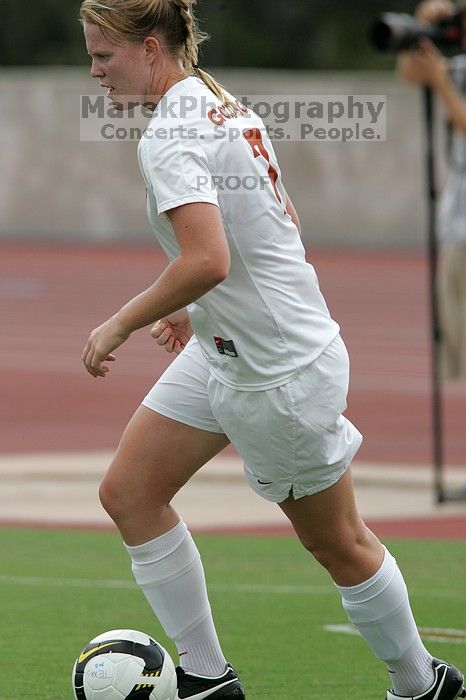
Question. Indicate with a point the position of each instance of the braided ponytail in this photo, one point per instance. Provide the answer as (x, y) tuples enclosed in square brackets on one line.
[(194, 37), (134, 20)]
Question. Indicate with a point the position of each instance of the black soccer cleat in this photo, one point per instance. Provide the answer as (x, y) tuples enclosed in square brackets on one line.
[(448, 684), (192, 686)]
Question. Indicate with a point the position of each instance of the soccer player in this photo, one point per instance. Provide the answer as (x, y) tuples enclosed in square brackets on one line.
[(260, 363)]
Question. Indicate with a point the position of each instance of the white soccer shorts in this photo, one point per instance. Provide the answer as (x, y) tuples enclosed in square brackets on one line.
[(293, 439)]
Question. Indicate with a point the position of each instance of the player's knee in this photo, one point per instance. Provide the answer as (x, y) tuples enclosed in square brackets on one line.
[(330, 557), (337, 550), (118, 499), (123, 500), (112, 499), (323, 553)]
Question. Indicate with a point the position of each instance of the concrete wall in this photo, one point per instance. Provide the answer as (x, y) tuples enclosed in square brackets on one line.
[(55, 187)]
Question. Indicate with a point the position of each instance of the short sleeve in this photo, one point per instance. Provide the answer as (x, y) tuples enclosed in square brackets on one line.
[(178, 172), (457, 67)]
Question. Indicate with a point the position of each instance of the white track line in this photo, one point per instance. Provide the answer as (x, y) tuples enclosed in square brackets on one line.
[(429, 634), (286, 589)]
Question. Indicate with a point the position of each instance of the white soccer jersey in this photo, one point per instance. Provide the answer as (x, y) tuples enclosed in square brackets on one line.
[(268, 319)]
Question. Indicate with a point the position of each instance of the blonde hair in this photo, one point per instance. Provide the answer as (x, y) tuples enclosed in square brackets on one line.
[(134, 20)]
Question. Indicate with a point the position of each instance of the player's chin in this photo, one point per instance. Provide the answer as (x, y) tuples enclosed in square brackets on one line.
[(124, 103), (118, 105)]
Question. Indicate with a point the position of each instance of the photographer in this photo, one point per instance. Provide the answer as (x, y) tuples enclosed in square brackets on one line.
[(425, 65)]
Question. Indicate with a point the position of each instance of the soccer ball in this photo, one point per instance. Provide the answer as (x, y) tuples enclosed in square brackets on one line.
[(124, 665)]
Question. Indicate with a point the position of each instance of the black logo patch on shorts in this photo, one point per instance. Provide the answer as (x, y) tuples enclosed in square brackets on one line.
[(225, 347)]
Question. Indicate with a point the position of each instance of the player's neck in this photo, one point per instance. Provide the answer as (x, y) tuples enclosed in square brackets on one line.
[(163, 83)]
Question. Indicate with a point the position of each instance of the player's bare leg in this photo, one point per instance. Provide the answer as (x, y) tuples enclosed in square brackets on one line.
[(155, 458), (330, 527), (373, 591)]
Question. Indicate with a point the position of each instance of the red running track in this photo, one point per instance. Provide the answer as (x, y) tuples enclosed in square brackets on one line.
[(50, 298), (446, 528)]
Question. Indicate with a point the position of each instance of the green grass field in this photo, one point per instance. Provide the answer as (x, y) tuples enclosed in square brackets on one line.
[(58, 589)]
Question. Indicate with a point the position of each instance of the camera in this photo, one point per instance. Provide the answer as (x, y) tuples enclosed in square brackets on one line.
[(393, 32)]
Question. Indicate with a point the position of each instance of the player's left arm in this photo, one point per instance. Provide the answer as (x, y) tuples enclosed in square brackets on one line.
[(291, 211), (203, 263)]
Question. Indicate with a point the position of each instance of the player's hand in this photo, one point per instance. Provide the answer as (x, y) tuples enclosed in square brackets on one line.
[(173, 332), (432, 11), (102, 342)]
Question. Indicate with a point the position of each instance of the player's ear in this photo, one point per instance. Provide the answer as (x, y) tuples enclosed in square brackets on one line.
[(153, 48)]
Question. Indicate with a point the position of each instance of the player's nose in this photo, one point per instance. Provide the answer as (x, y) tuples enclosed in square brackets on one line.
[(96, 70)]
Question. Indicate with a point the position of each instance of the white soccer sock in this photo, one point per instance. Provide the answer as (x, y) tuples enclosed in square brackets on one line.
[(381, 611), (169, 571)]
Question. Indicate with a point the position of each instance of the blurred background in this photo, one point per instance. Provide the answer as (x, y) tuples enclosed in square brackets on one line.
[(75, 243), (257, 48), (315, 35)]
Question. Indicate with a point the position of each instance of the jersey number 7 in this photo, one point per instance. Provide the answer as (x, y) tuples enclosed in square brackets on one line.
[(254, 138)]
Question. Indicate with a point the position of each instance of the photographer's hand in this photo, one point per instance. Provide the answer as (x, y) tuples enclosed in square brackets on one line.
[(424, 66), (432, 11)]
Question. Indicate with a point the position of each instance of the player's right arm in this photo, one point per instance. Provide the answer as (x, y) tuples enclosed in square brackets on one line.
[(202, 264)]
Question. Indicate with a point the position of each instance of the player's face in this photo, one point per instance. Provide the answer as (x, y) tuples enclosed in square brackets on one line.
[(123, 70)]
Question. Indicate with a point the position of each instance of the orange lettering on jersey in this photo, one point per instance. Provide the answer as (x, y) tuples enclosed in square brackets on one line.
[(254, 138), (220, 114)]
